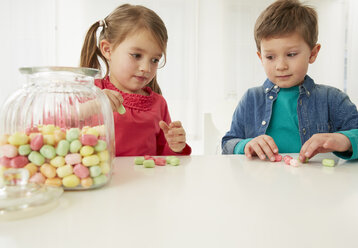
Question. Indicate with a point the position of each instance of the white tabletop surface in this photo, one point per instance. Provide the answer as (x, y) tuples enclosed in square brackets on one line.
[(207, 201)]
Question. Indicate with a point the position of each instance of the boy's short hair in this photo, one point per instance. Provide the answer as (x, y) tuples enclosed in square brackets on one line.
[(285, 17)]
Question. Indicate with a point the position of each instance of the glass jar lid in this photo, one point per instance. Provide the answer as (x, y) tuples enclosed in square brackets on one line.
[(78, 70)]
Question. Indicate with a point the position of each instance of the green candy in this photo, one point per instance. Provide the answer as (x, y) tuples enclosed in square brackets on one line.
[(168, 158), (48, 151), (328, 162), (75, 146), (36, 158), (72, 134), (121, 110), (102, 179), (139, 160), (95, 171), (149, 163), (62, 148), (174, 161), (101, 146), (24, 150)]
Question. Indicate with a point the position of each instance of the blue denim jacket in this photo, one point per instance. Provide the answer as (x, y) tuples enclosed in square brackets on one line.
[(320, 109)]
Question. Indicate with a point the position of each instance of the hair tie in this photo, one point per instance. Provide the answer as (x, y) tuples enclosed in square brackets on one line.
[(102, 23)]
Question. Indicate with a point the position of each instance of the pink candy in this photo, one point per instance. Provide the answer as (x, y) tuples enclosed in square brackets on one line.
[(294, 162), (31, 130), (19, 162), (37, 178), (89, 140), (81, 171), (5, 161), (8, 151), (278, 157), (287, 159), (146, 157), (37, 142), (73, 158), (160, 161)]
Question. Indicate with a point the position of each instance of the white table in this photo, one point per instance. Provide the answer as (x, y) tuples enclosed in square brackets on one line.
[(207, 201)]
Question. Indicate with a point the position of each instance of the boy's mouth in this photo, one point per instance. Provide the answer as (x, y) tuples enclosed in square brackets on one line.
[(283, 77)]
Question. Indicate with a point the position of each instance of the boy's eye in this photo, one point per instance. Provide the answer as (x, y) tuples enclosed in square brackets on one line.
[(269, 57), (135, 55), (291, 54)]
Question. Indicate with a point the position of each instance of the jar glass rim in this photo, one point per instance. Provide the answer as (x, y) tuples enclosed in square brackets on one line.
[(78, 70)]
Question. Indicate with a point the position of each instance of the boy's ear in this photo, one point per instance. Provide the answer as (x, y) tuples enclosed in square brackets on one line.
[(105, 48), (314, 53), (259, 54)]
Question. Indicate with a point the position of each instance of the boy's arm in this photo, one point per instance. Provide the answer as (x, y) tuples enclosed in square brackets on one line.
[(352, 135)]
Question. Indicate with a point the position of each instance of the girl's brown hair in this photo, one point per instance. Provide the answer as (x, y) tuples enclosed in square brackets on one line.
[(123, 21), (285, 17)]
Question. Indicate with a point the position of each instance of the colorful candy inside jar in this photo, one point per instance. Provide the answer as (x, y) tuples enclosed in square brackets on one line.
[(59, 127)]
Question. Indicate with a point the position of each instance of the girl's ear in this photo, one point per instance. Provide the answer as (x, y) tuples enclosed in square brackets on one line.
[(105, 48), (314, 53)]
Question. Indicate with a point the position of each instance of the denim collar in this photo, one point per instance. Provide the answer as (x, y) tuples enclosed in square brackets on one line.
[(305, 88)]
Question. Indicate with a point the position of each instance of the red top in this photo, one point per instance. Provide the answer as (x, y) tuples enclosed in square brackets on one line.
[(137, 132)]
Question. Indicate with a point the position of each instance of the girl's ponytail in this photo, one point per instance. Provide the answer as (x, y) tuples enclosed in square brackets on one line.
[(90, 50)]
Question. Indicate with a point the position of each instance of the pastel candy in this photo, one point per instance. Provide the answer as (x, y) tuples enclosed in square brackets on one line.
[(37, 178), (5, 161), (328, 162), (70, 181), (287, 159), (49, 139), (89, 139), (101, 130), (95, 171), (86, 150), (139, 160), (101, 146), (37, 142), (24, 150), (168, 158), (146, 157), (9, 151), (18, 139), (72, 134), (48, 129), (90, 160), (48, 151), (31, 130), (48, 170), (93, 131), (32, 168), (103, 156), (73, 158), (86, 182), (105, 168), (174, 161), (160, 161), (36, 158), (121, 110), (19, 162), (102, 179), (148, 163), (278, 158), (62, 147), (75, 146), (294, 162), (81, 171), (58, 161), (64, 170), (56, 182), (3, 139), (59, 135)]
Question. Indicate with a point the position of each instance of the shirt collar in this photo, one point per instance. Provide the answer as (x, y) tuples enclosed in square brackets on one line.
[(305, 88)]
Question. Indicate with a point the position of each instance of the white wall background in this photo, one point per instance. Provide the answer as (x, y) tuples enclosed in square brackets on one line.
[(211, 51)]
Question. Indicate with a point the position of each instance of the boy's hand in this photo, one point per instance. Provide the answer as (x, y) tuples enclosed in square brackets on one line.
[(115, 98), (174, 134), (261, 146), (324, 142)]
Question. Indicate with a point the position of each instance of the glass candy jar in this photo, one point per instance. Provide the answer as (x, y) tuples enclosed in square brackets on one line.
[(59, 127)]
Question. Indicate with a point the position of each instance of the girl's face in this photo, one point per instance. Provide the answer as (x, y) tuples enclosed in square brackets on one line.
[(134, 62), (286, 59)]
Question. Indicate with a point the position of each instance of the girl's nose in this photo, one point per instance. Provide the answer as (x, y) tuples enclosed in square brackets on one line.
[(145, 66)]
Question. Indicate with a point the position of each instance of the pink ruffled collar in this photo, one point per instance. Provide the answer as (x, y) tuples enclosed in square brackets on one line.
[(134, 101)]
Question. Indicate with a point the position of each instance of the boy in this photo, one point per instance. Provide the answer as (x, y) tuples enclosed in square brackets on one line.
[(289, 112)]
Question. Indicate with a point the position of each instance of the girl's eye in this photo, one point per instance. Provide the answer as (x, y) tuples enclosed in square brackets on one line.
[(135, 55), (155, 61), (291, 54)]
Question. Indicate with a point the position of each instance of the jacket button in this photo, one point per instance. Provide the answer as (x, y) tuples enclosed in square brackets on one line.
[(263, 123), (271, 97), (304, 131), (275, 86)]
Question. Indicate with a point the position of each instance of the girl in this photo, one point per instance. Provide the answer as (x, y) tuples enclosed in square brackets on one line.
[(132, 41)]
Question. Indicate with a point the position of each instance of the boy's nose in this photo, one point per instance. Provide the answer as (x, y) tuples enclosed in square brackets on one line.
[(281, 65)]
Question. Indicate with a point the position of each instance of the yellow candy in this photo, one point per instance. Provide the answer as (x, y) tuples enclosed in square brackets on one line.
[(57, 182), (18, 139), (103, 156), (105, 167), (86, 150), (48, 170), (48, 129), (64, 171), (59, 135), (58, 161), (3, 139), (101, 130), (49, 139), (71, 181), (86, 182), (32, 168), (90, 160), (85, 129), (93, 131)]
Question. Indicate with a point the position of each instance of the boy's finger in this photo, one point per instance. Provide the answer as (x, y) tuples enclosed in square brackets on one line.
[(269, 140), (267, 150), (257, 148)]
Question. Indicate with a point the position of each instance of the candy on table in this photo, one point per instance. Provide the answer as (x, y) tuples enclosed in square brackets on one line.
[(278, 158), (287, 159), (160, 161), (146, 157), (174, 161), (139, 160), (328, 162), (168, 158), (149, 163), (294, 162)]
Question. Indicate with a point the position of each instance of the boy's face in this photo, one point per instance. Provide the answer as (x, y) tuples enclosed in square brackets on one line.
[(286, 58)]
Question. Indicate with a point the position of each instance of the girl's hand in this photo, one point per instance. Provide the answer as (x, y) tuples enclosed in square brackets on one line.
[(261, 146), (174, 134), (324, 142), (115, 98)]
